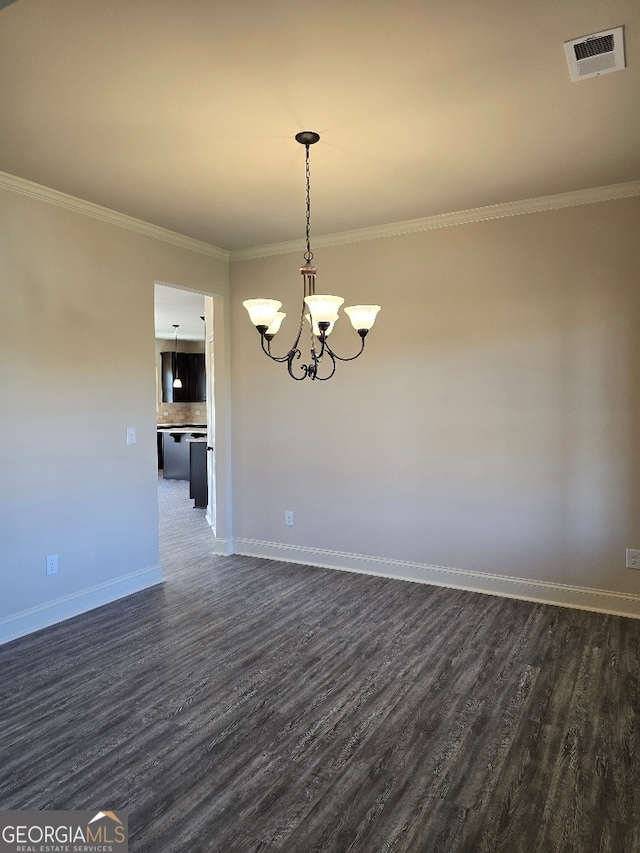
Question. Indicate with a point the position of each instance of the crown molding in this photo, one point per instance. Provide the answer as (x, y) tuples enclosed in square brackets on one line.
[(30, 189), (104, 214), (445, 220)]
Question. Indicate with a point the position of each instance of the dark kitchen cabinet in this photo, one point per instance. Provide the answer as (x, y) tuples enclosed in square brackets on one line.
[(190, 368), (175, 452), (199, 377), (160, 452), (198, 473)]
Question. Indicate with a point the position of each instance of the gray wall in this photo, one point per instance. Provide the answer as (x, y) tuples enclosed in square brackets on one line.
[(77, 367), (487, 438), (490, 428)]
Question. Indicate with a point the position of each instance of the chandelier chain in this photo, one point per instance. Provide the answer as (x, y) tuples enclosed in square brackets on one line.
[(308, 254)]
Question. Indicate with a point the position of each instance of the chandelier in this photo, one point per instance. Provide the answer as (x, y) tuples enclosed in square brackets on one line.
[(321, 311)]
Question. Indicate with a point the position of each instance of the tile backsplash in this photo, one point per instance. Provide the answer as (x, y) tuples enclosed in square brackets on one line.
[(182, 413)]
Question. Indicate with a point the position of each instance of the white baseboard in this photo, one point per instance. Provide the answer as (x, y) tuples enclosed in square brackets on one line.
[(35, 618), (222, 547), (544, 592)]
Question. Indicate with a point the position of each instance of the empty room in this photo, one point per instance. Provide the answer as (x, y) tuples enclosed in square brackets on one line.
[(319, 522)]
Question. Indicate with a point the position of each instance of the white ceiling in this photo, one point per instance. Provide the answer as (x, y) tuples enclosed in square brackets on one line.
[(183, 114), (182, 307)]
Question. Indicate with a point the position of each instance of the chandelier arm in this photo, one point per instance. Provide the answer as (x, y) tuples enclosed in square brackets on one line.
[(294, 353), (333, 367), (323, 346), (292, 349), (266, 349), (341, 358), (305, 369)]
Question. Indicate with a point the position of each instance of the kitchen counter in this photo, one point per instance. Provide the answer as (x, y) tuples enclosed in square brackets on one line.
[(182, 455), (182, 428), (174, 442)]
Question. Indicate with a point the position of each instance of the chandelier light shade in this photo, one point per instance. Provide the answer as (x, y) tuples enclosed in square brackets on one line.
[(274, 325), (321, 310), (362, 316), (324, 309), (262, 312), (316, 330)]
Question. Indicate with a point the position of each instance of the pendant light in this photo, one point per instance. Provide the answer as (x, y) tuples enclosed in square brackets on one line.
[(322, 310), (177, 382)]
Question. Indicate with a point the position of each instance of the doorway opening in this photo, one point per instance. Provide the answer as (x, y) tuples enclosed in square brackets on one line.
[(185, 394)]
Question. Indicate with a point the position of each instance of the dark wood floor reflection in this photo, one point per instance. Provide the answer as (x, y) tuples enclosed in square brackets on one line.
[(250, 705)]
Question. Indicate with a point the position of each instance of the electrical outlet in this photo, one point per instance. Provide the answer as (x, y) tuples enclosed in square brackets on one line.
[(52, 564), (633, 558), (288, 518)]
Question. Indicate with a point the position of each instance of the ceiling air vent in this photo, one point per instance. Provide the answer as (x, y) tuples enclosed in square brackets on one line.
[(597, 54)]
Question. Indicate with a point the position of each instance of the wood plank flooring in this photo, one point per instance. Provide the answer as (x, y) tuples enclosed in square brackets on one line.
[(251, 705)]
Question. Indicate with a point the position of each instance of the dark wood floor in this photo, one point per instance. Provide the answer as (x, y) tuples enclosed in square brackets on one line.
[(252, 705)]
